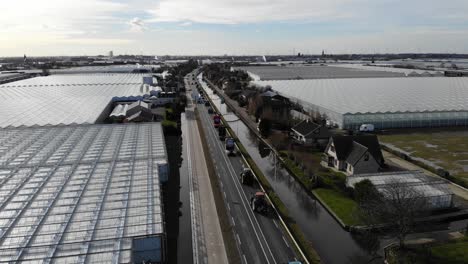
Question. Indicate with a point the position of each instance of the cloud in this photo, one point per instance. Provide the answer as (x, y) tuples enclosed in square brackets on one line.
[(249, 11), (57, 16), (137, 25), (186, 24)]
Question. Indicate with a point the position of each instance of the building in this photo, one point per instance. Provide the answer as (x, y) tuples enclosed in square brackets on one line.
[(162, 98), (82, 194), (308, 132), (66, 99), (354, 154), (137, 111), (272, 106), (384, 102), (303, 72), (435, 190)]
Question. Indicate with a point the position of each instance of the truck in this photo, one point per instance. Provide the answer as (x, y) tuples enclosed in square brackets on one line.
[(222, 132), (230, 146), (246, 177), (259, 204), (216, 120)]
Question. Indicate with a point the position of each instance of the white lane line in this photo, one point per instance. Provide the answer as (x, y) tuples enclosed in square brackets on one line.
[(233, 222), (221, 184), (229, 207), (224, 193), (286, 242), (244, 258), (249, 212), (274, 222), (238, 239)]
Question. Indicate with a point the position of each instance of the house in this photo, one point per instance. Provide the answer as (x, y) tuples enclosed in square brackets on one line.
[(354, 154), (308, 132), (275, 107)]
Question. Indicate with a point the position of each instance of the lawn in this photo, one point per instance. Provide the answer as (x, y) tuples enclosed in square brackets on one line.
[(447, 149), (344, 207), (452, 252)]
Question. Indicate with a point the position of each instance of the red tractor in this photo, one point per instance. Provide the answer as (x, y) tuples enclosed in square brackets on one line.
[(259, 204)]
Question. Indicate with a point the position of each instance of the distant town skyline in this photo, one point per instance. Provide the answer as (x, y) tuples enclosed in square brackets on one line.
[(246, 27)]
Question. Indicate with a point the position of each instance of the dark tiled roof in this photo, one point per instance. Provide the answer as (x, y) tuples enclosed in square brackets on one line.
[(356, 153), (344, 146), (306, 127), (269, 94)]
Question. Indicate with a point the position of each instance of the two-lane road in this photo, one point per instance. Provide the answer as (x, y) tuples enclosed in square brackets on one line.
[(260, 239)]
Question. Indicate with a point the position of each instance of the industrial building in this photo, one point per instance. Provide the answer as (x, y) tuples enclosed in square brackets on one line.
[(67, 99), (436, 191), (82, 194), (384, 102)]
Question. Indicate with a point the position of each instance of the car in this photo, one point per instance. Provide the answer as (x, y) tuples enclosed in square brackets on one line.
[(246, 177)]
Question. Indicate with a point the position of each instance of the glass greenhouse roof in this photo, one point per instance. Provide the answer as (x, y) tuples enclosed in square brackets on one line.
[(64, 99), (378, 95), (79, 194), (423, 184), (312, 72), (127, 68)]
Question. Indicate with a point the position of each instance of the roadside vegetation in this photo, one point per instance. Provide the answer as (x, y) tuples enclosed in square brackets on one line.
[(451, 252)]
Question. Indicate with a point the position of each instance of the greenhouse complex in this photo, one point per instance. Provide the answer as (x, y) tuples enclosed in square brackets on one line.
[(82, 194), (435, 191), (384, 102), (75, 190), (66, 99)]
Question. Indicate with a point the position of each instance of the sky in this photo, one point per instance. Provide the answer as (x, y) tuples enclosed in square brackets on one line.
[(232, 27)]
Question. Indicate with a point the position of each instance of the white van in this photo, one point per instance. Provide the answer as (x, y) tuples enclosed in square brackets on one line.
[(366, 128)]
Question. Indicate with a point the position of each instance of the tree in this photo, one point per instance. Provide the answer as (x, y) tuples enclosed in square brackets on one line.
[(397, 203), (365, 191), (265, 127)]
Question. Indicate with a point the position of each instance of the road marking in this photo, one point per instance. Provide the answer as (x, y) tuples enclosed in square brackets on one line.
[(229, 207), (274, 222), (284, 239), (244, 258), (224, 193), (233, 222), (238, 239), (221, 184), (249, 212)]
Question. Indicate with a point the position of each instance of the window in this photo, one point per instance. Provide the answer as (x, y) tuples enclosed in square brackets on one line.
[(332, 148), (366, 156)]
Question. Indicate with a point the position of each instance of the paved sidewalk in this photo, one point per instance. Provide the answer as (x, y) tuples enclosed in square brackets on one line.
[(207, 238)]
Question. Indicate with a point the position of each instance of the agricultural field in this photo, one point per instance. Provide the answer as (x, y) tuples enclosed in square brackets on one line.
[(447, 149)]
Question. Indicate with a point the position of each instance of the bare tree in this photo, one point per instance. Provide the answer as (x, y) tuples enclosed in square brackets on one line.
[(398, 204)]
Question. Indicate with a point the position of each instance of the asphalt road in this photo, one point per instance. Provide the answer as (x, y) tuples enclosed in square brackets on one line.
[(260, 238)]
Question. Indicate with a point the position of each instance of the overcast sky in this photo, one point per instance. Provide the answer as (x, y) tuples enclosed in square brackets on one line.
[(203, 27)]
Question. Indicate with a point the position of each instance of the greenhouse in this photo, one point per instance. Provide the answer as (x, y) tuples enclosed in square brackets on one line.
[(385, 102), (82, 194), (436, 191), (66, 99)]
